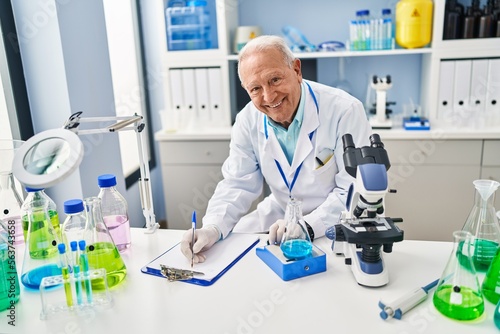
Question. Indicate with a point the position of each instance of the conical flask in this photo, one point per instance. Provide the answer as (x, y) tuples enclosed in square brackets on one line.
[(10, 208), (491, 282), (101, 250), (496, 316), (458, 295), (41, 254), (482, 223), (295, 244), (10, 200), (9, 282)]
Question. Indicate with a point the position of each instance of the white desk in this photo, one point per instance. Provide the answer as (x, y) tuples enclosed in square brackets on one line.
[(251, 298)]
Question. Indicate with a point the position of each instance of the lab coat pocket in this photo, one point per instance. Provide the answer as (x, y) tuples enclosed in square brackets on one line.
[(330, 168)]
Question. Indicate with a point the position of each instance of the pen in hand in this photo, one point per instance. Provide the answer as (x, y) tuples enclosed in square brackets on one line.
[(193, 220)]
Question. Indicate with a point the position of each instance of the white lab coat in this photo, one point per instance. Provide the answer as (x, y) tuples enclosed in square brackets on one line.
[(252, 158)]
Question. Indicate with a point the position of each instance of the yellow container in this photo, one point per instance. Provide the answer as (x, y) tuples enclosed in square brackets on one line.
[(414, 23)]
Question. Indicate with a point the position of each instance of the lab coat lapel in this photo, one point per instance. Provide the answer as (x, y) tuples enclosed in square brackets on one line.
[(310, 123), (273, 150)]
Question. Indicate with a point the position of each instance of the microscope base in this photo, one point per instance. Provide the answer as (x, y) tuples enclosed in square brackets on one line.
[(376, 124), (367, 274)]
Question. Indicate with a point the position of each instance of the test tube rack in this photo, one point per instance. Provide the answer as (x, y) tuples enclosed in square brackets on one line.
[(60, 301)]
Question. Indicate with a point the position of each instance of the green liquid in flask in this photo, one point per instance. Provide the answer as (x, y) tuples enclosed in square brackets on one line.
[(54, 219), (484, 253), (463, 305), (105, 255), (491, 283), (41, 238), (496, 316)]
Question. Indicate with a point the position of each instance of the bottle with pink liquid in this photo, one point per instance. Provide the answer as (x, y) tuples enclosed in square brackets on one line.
[(114, 211)]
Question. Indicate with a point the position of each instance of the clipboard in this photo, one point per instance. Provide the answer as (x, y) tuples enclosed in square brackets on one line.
[(220, 258)]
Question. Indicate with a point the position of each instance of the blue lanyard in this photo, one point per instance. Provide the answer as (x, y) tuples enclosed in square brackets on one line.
[(283, 176)]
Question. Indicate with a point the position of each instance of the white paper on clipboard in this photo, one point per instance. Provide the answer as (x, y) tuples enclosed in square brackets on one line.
[(220, 257)]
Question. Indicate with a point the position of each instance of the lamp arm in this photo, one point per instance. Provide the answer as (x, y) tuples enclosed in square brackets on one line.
[(145, 183), (123, 123)]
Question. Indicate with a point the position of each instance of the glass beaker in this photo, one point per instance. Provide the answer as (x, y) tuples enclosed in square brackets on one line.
[(9, 282), (101, 249), (295, 244), (10, 208), (482, 223), (41, 253), (457, 295)]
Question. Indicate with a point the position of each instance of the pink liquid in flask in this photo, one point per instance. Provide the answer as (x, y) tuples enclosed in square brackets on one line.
[(119, 228)]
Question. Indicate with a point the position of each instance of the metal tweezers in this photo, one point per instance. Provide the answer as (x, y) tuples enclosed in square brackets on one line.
[(174, 274)]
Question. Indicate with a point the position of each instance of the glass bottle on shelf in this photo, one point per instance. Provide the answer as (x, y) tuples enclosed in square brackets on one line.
[(38, 197), (482, 223), (41, 253), (458, 295), (114, 211), (100, 247), (295, 244)]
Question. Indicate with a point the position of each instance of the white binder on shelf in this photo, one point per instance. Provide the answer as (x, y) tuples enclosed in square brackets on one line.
[(493, 91), (478, 83), (446, 80), (189, 90), (176, 110), (461, 98), (217, 111), (202, 95)]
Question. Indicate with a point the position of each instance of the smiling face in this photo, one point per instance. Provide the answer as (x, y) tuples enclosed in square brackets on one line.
[(273, 86)]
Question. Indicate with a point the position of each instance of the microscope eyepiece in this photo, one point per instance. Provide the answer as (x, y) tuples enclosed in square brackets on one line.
[(375, 141), (347, 141)]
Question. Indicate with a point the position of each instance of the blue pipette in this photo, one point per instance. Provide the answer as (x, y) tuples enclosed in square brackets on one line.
[(400, 306)]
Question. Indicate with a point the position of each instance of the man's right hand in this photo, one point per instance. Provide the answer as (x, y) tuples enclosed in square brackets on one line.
[(204, 238), (276, 232)]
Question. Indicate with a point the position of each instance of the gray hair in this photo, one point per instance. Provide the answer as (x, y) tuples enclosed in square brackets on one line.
[(263, 43)]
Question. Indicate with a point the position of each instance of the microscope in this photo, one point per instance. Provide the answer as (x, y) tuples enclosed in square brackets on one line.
[(381, 86), (363, 230)]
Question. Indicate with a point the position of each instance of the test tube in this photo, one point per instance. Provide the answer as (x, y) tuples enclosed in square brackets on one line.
[(84, 264), (76, 271), (65, 274)]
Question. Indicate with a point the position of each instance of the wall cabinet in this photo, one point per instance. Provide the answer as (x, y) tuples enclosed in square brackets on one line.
[(434, 186), (191, 169)]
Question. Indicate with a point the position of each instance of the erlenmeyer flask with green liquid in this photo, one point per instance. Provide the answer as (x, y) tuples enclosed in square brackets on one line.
[(491, 282), (458, 295), (482, 223), (101, 249), (41, 254)]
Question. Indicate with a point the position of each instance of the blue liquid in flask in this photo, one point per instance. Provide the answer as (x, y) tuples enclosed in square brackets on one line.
[(33, 278), (297, 249)]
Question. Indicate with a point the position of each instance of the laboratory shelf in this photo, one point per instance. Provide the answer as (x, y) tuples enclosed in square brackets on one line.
[(340, 54)]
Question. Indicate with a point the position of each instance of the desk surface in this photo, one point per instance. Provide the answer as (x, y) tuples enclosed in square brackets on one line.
[(251, 298)]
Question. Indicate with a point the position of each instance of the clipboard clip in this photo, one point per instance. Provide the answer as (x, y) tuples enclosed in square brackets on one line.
[(174, 274)]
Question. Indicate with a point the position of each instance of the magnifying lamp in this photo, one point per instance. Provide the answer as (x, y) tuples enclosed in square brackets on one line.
[(51, 156)]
